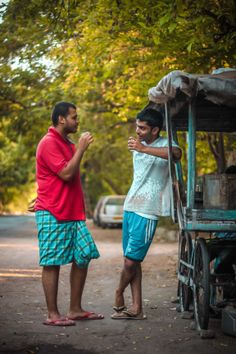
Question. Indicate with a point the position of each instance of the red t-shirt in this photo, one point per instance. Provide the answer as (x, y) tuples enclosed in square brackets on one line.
[(64, 199)]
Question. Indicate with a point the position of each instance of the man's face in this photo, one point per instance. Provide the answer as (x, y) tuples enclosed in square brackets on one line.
[(145, 132), (71, 121)]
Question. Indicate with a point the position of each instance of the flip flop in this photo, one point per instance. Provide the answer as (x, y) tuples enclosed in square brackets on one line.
[(88, 316), (119, 308), (128, 315), (59, 322)]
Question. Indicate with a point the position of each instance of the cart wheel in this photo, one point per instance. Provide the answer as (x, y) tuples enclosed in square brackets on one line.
[(185, 291), (201, 285)]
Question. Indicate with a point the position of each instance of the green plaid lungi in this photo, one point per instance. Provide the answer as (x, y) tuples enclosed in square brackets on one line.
[(64, 242)]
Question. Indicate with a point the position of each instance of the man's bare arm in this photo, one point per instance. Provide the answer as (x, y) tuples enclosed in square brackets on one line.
[(71, 169), (162, 152)]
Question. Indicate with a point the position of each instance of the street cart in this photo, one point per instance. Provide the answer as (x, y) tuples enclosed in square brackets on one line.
[(205, 212)]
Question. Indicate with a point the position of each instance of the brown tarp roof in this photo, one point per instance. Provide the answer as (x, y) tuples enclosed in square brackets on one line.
[(214, 97)]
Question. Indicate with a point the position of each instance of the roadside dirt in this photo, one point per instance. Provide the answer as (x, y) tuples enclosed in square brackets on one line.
[(23, 307)]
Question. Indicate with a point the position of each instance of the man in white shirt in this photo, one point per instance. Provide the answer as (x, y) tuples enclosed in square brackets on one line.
[(148, 198)]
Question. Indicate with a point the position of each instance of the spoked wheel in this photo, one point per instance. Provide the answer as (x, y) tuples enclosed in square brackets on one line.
[(185, 291), (201, 285)]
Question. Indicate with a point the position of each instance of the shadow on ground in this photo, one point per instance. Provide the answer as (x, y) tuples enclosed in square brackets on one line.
[(48, 348)]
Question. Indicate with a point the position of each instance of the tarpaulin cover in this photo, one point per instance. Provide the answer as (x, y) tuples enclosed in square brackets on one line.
[(219, 88)]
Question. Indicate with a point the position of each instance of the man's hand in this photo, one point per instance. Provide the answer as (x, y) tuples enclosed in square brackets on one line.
[(135, 144), (72, 167), (162, 152), (85, 140)]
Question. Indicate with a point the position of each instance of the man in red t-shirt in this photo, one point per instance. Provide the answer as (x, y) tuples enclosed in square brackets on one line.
[(60, 214)]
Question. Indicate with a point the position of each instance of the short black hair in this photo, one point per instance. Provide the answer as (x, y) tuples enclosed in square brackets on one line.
[(61, 109), (153, 117)]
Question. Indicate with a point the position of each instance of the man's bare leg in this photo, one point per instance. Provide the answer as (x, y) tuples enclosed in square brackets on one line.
[(77, 282), (136, 291), (50, 276), (127, 275)]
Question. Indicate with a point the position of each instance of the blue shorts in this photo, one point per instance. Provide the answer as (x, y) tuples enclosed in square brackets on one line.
[(138, 234), (64, 242)]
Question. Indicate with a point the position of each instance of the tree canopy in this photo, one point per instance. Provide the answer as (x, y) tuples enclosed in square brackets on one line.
[(103, 55)]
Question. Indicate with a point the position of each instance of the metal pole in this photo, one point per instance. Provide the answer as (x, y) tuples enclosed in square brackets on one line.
[(170, 159), (191, 155)]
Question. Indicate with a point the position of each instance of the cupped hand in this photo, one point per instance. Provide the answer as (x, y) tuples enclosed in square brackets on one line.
[(134, 144), (85, 140)]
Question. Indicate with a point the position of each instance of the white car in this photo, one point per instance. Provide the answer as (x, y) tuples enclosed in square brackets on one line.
[(109, 211)]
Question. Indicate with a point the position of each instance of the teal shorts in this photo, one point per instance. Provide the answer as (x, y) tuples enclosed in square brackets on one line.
[(64, 242), (138, 233)]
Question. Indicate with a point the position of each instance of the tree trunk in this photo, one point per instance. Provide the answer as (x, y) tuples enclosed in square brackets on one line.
[(216, 144)]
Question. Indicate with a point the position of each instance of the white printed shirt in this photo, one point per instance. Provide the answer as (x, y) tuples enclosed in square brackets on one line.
[(150, 190)]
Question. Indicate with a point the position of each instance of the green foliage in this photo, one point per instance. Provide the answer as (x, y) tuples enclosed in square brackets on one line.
[(103, 55)]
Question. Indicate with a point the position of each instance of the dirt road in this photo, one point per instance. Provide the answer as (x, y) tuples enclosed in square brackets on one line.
[(23, 308)]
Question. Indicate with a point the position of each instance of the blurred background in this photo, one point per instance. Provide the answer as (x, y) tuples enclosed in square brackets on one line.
[(102, 55)]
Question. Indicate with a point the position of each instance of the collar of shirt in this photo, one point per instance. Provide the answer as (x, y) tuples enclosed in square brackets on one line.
[(153, 143), (57, 135)]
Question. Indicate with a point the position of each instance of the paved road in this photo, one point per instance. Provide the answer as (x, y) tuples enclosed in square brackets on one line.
[(23, 308)]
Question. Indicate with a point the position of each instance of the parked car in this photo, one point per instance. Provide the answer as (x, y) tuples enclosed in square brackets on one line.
[(109, 211)]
